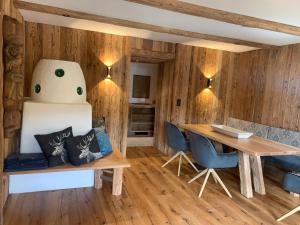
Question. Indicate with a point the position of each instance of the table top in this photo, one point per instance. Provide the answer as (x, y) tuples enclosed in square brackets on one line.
[(254, 145)]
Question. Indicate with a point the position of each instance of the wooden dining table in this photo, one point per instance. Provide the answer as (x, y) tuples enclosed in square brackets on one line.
[(250, 152)]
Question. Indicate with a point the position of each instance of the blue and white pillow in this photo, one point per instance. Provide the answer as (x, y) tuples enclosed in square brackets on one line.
[(103, 141)]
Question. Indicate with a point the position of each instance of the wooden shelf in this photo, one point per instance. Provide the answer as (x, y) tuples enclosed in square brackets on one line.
[(141, 120), (142, 106), (147, 123)]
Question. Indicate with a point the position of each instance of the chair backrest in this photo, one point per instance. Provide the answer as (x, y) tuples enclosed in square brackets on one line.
[(203, 151), (175, 138)]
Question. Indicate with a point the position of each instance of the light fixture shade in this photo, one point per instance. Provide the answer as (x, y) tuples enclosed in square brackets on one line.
[(58, 81), (209, 81), (108, 73)]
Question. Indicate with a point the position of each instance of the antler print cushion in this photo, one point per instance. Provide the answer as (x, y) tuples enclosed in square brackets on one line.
[(53, 146), (83, 149)]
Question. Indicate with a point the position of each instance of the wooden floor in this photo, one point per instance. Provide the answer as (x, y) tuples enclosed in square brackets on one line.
[(153, 196)]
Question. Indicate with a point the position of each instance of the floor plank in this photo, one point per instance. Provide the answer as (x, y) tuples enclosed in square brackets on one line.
[(154, 196)]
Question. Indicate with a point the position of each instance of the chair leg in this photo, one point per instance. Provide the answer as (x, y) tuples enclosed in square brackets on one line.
[(199, 175), (221, 182), (170, 160), (179, 164), (204, 184), (295, 195), (297, 209), (190, 162), (215, 179)]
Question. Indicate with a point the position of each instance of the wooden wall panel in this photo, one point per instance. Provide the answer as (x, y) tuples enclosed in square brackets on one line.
[(207, 105), (163, 103), (185, 79), (180, 83), (93, 51), (266, 87)]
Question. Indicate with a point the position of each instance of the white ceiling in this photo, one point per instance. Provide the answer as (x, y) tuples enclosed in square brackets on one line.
[(276, 10)]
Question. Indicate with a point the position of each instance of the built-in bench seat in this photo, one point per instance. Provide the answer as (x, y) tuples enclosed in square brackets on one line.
[(115, 161), (288, 162), (283, 136)]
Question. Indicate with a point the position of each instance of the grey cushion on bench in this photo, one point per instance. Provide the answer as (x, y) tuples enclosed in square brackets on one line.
[(275, 134), (284, 136), (255, 128), (291, 182), (289, 162)]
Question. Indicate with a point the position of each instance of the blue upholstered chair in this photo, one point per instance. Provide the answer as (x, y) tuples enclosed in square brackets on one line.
[(204, 153), (177, 141), (291, 183)]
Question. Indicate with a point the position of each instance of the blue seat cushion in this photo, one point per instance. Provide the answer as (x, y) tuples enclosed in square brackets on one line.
[(289, 162), (224, 160), (291, 182)]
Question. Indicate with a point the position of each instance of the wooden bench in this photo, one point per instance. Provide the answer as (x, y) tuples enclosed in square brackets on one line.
[(115, 161)]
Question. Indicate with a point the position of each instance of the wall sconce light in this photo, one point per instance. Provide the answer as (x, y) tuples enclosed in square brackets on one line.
[(108, 73), (208, 84)]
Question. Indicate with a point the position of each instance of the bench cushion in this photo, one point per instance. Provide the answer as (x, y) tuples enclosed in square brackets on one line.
[(291, 182), (255, 128), (54, 147), (289, 162), (83, 148), (284, 136)]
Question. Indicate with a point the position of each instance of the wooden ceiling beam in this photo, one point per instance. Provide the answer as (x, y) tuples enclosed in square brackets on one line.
[(137, 25), (152, 56), (220, 15)]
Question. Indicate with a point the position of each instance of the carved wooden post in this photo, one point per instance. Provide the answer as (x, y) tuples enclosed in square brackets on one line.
[(13, 84), (8, 10)]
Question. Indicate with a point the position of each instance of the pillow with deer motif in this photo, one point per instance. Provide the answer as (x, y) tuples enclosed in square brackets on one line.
[(83, 149), (54, 147)]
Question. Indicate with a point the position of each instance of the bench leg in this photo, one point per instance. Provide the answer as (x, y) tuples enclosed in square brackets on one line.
[(98, 179), (258, 177), (295, 195), (245, 175), (117, 181)]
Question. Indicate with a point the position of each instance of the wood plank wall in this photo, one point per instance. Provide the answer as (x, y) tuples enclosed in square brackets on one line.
[(209, 105), (243, 84), (185, 79), (163, 103), (266, 87), (93, 51)]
